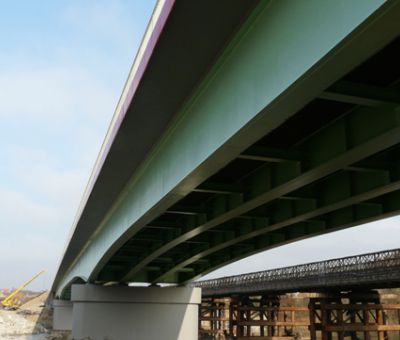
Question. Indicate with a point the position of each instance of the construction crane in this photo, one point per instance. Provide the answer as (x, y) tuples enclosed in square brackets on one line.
[(11, 300)]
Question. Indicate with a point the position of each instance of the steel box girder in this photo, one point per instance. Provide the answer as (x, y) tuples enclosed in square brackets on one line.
[(381, 207), (279, 92), (256, 230), (339, 145)]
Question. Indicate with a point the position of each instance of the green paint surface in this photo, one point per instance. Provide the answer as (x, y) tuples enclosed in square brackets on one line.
[(279, 43)]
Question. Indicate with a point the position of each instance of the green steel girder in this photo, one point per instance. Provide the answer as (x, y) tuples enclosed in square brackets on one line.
[(226, 115), (272, 155), (361, 94), (219, 188), (66, 291), (185, 210), (380, 208), (370, 177), (338, 187), (295, 216), (354, 137)]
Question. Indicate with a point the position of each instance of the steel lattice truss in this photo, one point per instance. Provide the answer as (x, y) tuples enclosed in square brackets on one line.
[(373, 270)]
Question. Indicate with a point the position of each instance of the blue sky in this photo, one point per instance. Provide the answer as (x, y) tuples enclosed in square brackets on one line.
[(63, 65)]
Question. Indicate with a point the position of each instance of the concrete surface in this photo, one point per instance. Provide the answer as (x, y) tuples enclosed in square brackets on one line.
[(62, 315), (122, 313)]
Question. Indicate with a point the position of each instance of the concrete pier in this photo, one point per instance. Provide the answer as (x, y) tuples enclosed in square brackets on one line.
[(62, 315), (119, 313)]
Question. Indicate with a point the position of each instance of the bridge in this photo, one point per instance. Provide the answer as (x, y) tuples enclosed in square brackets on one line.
[(367, 271), (254, 305), (243, 126)]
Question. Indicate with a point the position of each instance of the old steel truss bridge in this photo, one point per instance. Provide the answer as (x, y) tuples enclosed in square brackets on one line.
[(372, 270)]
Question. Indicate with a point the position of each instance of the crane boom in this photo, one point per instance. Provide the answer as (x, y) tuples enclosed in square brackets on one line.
[(9, 301)]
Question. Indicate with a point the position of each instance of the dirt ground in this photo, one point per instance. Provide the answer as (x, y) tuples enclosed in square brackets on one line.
[(32, 321)]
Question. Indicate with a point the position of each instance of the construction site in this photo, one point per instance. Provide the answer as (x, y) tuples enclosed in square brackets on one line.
[(32, 320), (355, 297), (26, 314), (292, 316), (306, 316)]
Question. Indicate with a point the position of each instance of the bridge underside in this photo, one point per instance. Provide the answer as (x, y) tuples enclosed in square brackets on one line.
[(263, 152), (334, 164)]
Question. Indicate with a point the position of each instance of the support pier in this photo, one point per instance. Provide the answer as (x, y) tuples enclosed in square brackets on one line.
[(133, 313)]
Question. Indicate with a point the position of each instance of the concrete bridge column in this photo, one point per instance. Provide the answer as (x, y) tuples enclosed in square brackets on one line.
[(62, 315), (135, 313)]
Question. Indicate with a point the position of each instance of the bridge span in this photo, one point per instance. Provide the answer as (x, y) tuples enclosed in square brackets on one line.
[(339, 298), (243, 126), (366, 271)]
